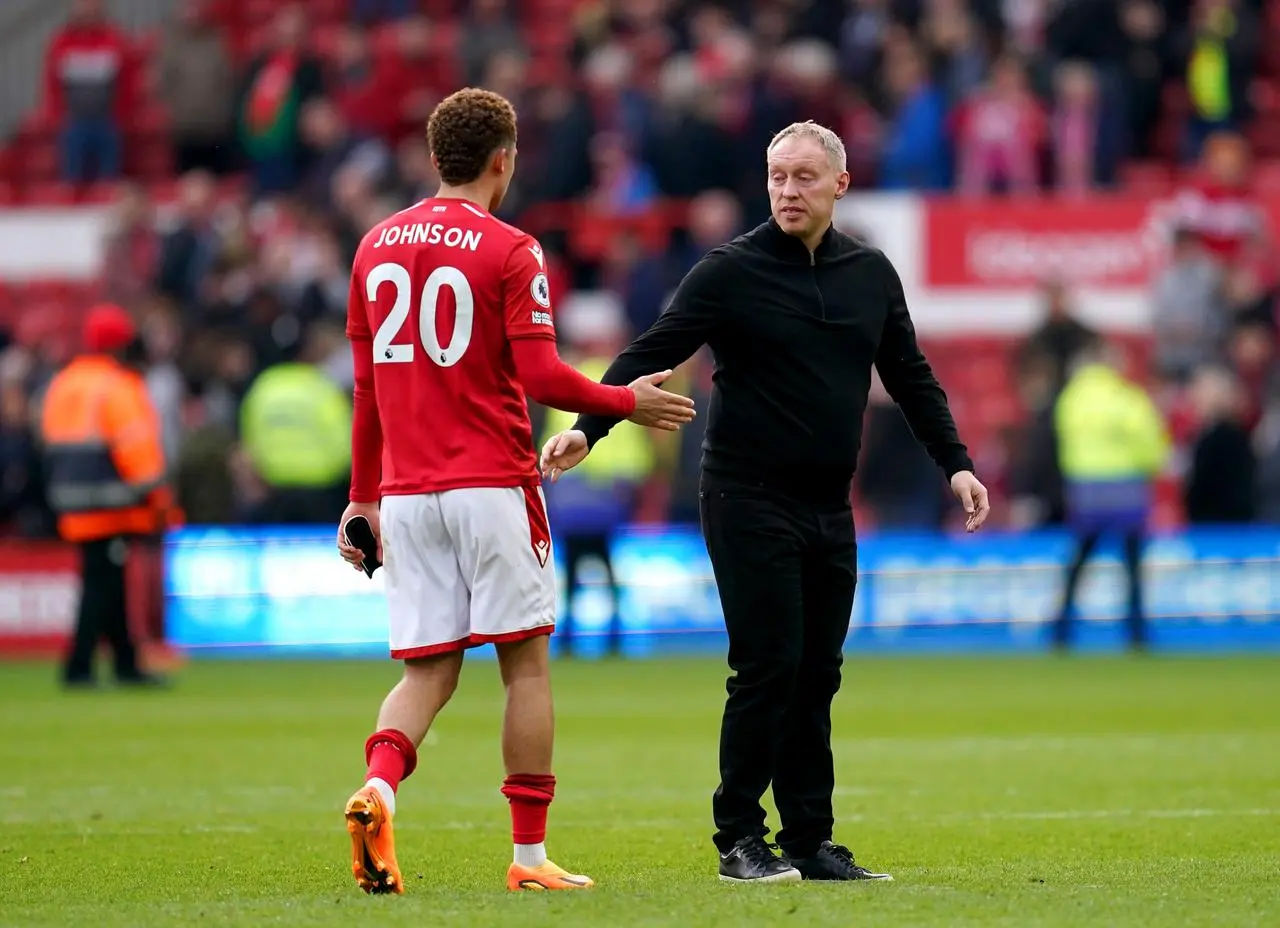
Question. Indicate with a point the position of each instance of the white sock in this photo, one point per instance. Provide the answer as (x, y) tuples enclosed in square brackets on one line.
[(385, 791), (531, 855)]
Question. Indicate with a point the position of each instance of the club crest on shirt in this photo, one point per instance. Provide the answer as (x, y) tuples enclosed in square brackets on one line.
[(541, 290)]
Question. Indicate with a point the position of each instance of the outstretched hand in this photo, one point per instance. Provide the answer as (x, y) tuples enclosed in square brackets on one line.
[(656, 407), (563, 451)]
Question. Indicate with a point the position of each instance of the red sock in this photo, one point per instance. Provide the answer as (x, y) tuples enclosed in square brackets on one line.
[(529, 795), (390, 755)]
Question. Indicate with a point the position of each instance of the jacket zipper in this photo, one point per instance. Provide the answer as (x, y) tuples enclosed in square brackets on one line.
[(813, 268)]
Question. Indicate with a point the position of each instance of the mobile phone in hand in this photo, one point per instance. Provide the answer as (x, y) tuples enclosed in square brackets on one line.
[(359, 534)]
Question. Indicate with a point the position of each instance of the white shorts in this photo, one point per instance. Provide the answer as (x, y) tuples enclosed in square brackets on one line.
[(467, 567)]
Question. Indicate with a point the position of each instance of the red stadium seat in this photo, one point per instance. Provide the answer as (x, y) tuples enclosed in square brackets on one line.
[(35, 161), (51, 193), (1147, 178), (104, 192)]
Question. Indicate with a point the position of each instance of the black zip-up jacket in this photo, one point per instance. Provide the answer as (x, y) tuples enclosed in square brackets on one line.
[(794, 336)]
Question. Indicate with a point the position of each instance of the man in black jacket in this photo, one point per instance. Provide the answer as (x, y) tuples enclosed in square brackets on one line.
[(796, 314)]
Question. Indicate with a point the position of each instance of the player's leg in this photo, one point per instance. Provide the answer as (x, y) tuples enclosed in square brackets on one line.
[(427, 600), (508, 561), (528, 732)]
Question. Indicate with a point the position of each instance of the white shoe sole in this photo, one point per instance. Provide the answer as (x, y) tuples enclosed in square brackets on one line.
[(786, 876)]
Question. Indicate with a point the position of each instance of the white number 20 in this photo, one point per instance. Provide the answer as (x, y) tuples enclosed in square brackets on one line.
[(384, 351)]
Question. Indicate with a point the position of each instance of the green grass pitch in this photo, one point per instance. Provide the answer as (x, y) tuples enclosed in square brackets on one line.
[(1000, 792)]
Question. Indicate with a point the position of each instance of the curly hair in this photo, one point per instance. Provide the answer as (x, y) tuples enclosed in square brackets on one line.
[(464, 131)]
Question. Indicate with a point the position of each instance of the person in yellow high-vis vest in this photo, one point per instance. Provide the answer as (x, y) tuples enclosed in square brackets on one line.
[(591, 502), (1112, 444)]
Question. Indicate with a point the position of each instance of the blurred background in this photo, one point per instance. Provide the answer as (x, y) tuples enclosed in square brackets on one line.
[(1065, 186)]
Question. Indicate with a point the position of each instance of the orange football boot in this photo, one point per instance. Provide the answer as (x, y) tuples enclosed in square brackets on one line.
[(373, 843), (544, 877)]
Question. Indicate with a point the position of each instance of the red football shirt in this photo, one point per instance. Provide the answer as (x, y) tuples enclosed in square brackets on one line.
[(1228, 221), (438, 291)]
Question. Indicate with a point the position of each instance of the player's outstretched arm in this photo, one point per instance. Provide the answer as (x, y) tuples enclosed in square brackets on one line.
[(551, 382)]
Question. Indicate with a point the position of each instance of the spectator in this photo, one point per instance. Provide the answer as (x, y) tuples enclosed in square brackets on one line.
[(1035, 478), (685, 147), (623, 184), (89, 78), (860, 128), (22, 487), (1059, 339), (1217, 49), (861, 42), (998, 134), (1074, 127), (916, 153), (1266, 439), (296, 429), (714, 218), (1219, 488), (958, 48), (370, 11), (896, 478), (486, 31), (1251, 352), (1220, 205), (415, 175), (588, 504), (188, 253), (324, 135), (132, 251), (161, 334), (1188, 319), (280, 81), (416, 76), (806, 81), (195, 81), (1111, 446), (353, 81), (1144, 65)]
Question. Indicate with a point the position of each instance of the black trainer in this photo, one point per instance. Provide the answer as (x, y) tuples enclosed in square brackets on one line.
[(752, 861), (832, 862)]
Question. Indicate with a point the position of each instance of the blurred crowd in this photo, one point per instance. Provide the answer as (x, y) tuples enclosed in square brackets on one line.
[(289, 149)]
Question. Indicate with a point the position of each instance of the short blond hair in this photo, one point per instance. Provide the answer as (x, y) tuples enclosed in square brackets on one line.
[(819, 133)]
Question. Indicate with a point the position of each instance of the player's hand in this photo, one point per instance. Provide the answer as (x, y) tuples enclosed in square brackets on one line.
[(353, 555), (973, 497), (656, 407), (563, 451)]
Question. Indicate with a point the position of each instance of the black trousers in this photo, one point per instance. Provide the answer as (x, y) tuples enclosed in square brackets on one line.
[(103, 611), (1135, 619), (786, 572)]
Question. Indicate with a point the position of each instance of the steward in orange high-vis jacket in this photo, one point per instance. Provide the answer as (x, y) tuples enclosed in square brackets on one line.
[(106, 481)]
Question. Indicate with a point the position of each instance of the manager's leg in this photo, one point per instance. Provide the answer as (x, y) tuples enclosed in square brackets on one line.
[(805, 777), (755, 548)]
